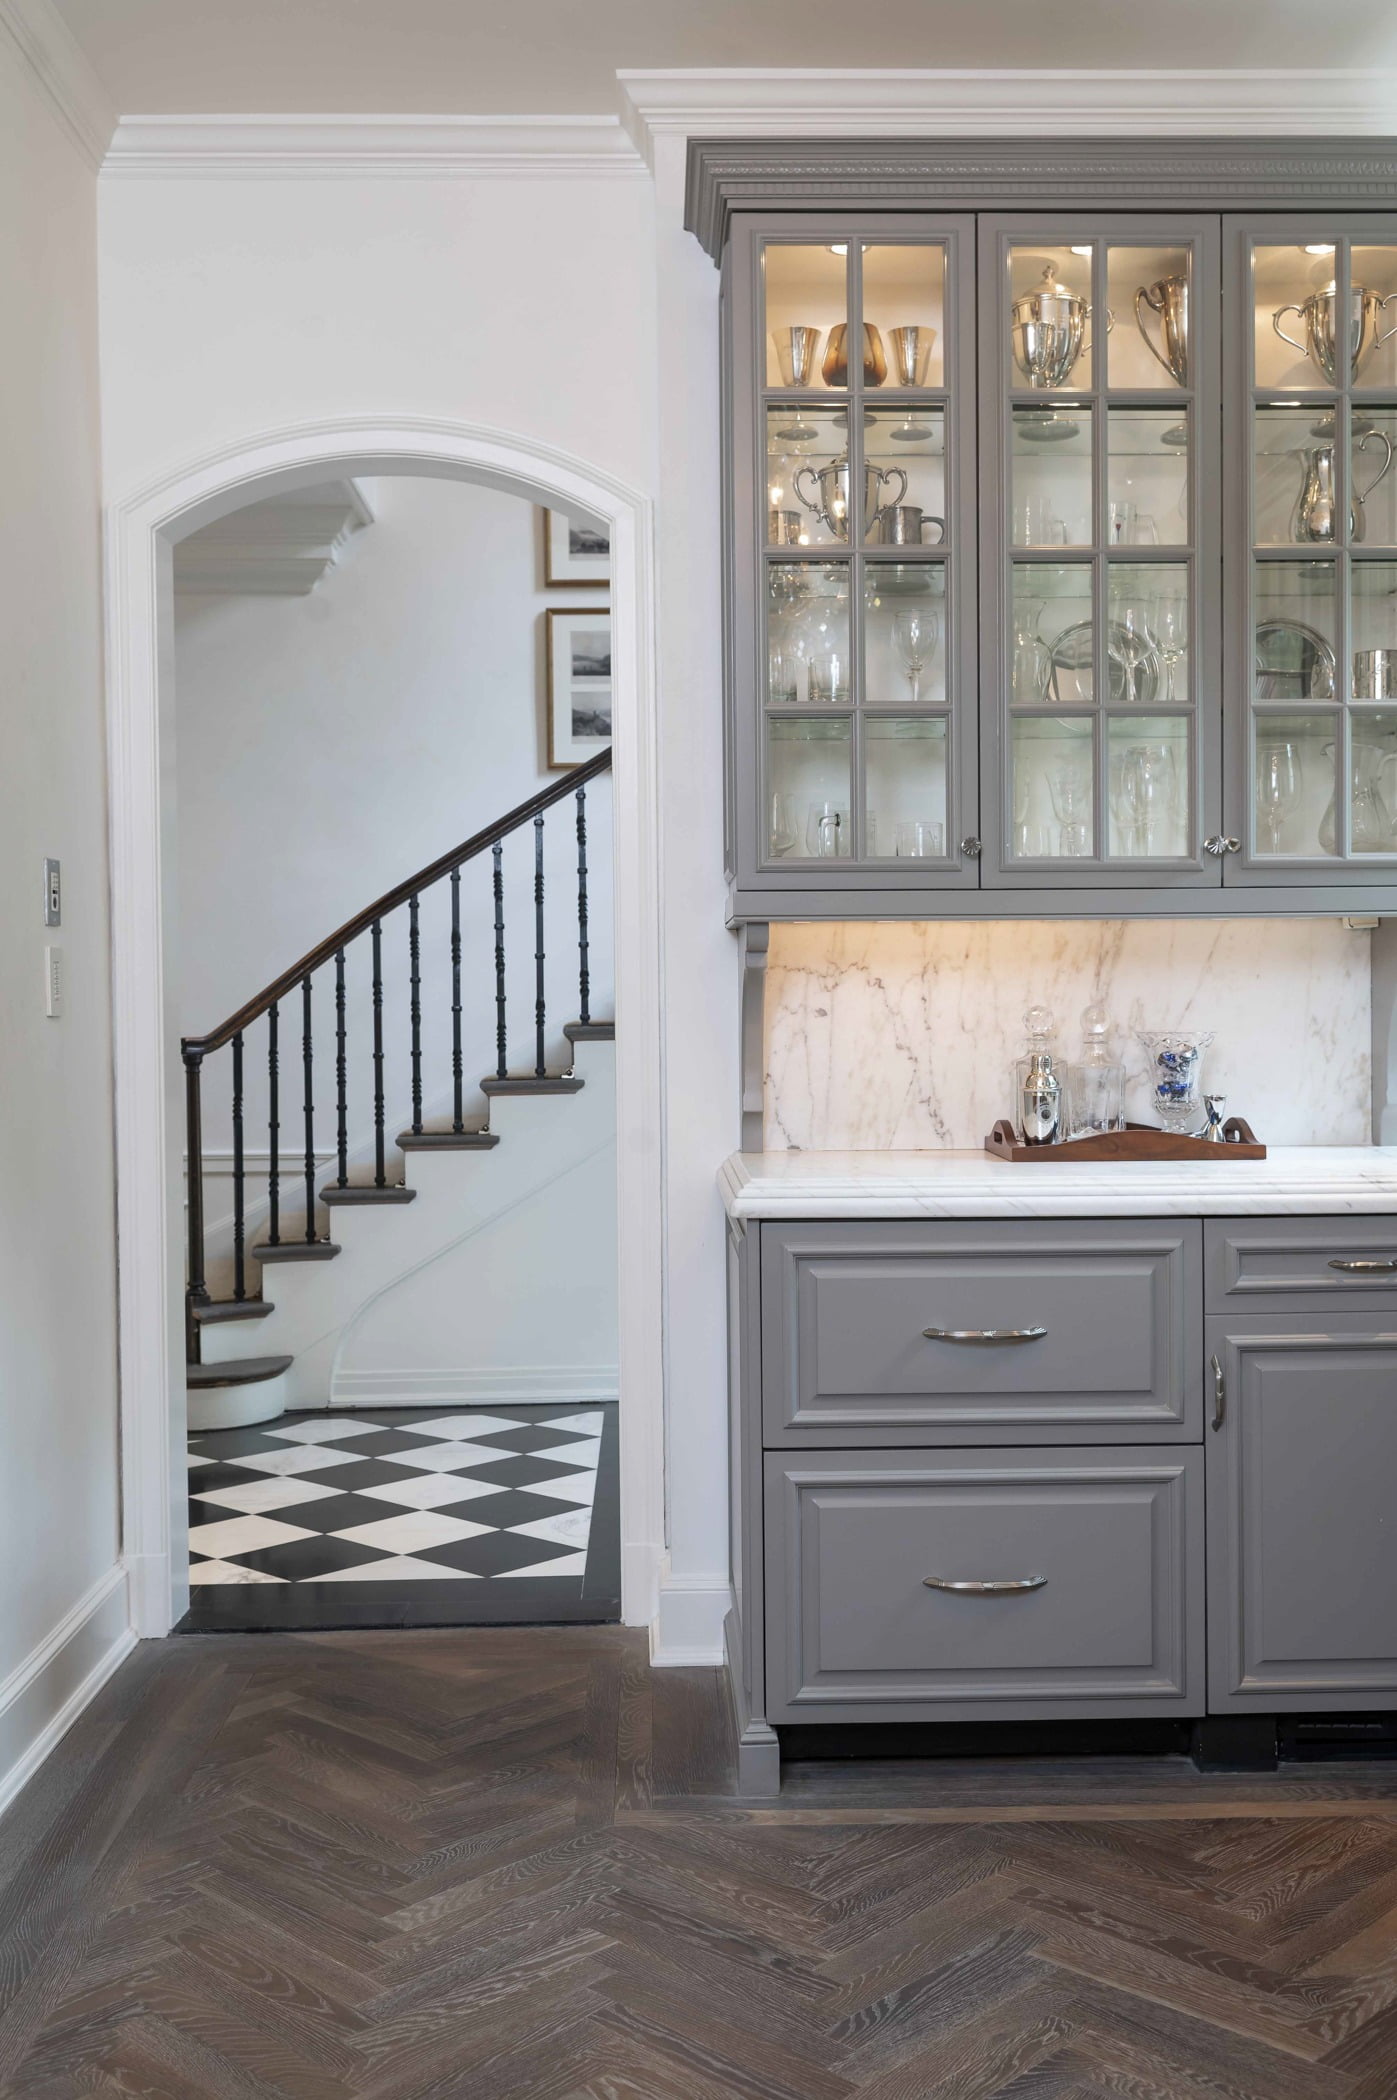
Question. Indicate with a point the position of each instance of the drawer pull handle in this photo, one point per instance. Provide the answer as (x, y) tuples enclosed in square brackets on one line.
[(1011, 1586), (984, 1334), (1366, 1268), (1219, 1394)]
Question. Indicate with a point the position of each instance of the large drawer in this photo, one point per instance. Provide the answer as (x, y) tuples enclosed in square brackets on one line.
[(1110, 1539), (1295, 1265), (1094, 1331)]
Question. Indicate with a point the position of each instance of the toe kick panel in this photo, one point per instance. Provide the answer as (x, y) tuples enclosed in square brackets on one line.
[(989, 1584)]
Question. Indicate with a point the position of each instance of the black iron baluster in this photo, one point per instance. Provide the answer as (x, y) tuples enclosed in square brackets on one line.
[(239, 1229), (197, 1292), (415, 1008), (341, 1079), (584, 981), (540, 1067), (501, 1025), (273, 1133), (308, 1064), (458, 1120), (380, 1180)]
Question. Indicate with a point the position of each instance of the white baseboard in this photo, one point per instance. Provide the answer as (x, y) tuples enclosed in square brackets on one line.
[(43, 1696), (686, 1632), (517, 1383)]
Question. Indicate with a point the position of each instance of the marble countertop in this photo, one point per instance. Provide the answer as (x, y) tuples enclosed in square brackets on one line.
[(952, 1184)]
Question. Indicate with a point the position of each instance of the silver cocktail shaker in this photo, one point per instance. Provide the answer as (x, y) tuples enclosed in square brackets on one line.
[(1040, 1110)]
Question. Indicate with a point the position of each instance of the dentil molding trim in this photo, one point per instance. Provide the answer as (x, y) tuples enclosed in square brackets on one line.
[(46, 46), (336, 146)]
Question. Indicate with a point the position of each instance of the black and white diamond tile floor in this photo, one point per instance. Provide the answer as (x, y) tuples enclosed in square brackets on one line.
[(406, 1517)]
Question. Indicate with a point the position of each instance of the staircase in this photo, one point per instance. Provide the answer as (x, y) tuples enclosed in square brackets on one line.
[(250, 1356)]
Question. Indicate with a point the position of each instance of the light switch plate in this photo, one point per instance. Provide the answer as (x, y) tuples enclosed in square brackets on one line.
[(53, 983), (53, 893)]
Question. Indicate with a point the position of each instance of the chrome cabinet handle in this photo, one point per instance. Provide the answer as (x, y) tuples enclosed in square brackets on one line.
[(1220, 843), (1365, 1268), (1010, 1586), (1219, 1394), (972, 848), (984, 1334)]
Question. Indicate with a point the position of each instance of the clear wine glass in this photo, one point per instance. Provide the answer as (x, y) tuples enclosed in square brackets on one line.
[(1277, 788), (1171, 635), (1150, 784), (915, 635), (1070, 788), (1132, 643)]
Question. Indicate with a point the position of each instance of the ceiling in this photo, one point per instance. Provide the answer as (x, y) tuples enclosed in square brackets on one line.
[(541, 57)]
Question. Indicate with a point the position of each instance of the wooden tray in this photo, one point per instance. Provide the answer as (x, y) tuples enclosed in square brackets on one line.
[(1136, 1141)]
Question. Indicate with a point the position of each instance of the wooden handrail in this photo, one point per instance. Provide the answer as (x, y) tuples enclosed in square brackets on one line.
[(195, 1047)]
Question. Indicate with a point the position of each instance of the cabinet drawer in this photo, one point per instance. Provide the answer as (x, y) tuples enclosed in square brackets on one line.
[(1282, 1265), (1092, 1332), (1111, 1540)]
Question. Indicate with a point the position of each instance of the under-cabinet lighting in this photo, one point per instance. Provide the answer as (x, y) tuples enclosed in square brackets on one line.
[(1319, 248), (839, 247), (1083, 251)]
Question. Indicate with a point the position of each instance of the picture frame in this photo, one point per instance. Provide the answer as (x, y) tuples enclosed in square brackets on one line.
[(578, 684), (575, 556)]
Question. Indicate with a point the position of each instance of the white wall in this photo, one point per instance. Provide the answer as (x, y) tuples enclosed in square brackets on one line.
[(64, 1603)]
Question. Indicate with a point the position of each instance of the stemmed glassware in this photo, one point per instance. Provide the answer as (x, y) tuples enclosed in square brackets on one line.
[(1070, 788), (1149, 783), (1031, 662), (915, 635), (1171, 636), (1132, 643), (1277, 788)]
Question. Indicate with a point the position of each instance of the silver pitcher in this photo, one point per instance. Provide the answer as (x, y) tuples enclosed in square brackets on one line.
[(1047, 328), (831, 504), (1316, 514), (1169, 300), (1320, 317)]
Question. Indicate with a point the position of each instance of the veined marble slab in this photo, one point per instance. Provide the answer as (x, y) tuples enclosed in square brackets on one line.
[(1355, 1179)]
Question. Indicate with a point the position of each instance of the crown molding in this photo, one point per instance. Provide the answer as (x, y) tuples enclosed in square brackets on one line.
[(47, 48), (279, 548), (1041, 102), (335, 146)]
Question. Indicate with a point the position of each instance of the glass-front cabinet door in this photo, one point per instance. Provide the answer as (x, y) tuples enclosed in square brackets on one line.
[(1312, 514), (1100, 645), (853, 556)]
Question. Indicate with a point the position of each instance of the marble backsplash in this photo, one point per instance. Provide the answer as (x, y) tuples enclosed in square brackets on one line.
[(887, 1035)]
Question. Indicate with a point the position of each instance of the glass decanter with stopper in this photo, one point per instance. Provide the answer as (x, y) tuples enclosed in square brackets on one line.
[(1039, 1058), (1098, 1081)]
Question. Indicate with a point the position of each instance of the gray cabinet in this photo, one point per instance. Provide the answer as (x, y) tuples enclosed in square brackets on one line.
[(1302, 1514)]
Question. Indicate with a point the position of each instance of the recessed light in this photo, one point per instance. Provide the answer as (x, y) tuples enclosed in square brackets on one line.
[(1319, 247), (1083, 251), (839, 247)]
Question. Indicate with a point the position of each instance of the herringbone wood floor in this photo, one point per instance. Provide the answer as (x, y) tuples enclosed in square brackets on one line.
[(423, 1866)]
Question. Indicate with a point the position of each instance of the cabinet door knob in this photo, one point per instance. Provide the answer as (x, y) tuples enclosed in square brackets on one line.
[(1008, 1586), (984, 1334), (1220, 843), (1219, 1394), (1365, 1268), (971, 848)]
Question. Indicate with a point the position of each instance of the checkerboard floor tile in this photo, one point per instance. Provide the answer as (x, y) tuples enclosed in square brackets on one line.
[(400, 1496)]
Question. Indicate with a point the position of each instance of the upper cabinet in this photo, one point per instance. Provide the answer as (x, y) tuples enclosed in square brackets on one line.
[(1061, 554)]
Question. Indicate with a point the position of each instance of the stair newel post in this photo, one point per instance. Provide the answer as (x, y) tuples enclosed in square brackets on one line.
[(584, 982), (197, 1290), (414, 951), (341, 1080), (273, 1132), (239, 1220), (540, 1065), (380, 1178), (501, 1025), (308, 1066), (458, 1120)]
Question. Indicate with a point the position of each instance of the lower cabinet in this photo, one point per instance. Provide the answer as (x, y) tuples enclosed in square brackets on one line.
[(1302, 1515), (989, 1584)]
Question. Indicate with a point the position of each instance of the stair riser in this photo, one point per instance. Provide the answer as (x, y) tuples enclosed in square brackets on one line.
[(237, 1406)]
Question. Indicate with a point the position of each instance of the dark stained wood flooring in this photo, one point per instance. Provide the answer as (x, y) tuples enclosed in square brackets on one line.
[(465, 1865)]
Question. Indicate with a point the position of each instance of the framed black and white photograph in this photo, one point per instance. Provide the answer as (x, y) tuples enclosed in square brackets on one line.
[(576, 555), (579, 685)]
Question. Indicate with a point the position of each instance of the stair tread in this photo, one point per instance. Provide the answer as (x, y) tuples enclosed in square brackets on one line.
[(590, 1031), (368, 1192), (446, 1140), (240, 1370), (530, 1083), (220, 1309), (295, 1250)]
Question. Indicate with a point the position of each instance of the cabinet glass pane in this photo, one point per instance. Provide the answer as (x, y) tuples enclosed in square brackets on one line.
[(1052, 606), (904, 636), (1295, 311), (905, 469), (1374, 486), (1148, 757), (904, 302), (1053, 788), (1147, 477), (1051, 474), (1373, 778), (1294, 775), (1296, 630), (1050, 321), (808, 634), (905, 787), (1294, 476), (1148, 292), (1374, 274), (806, 300), (1374, 630), (808, 787), (1147, 633), (806, 493)]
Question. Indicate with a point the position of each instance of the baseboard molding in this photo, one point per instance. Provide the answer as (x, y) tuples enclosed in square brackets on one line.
[(43, 1696), (686, 1632), (520, 1384)]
